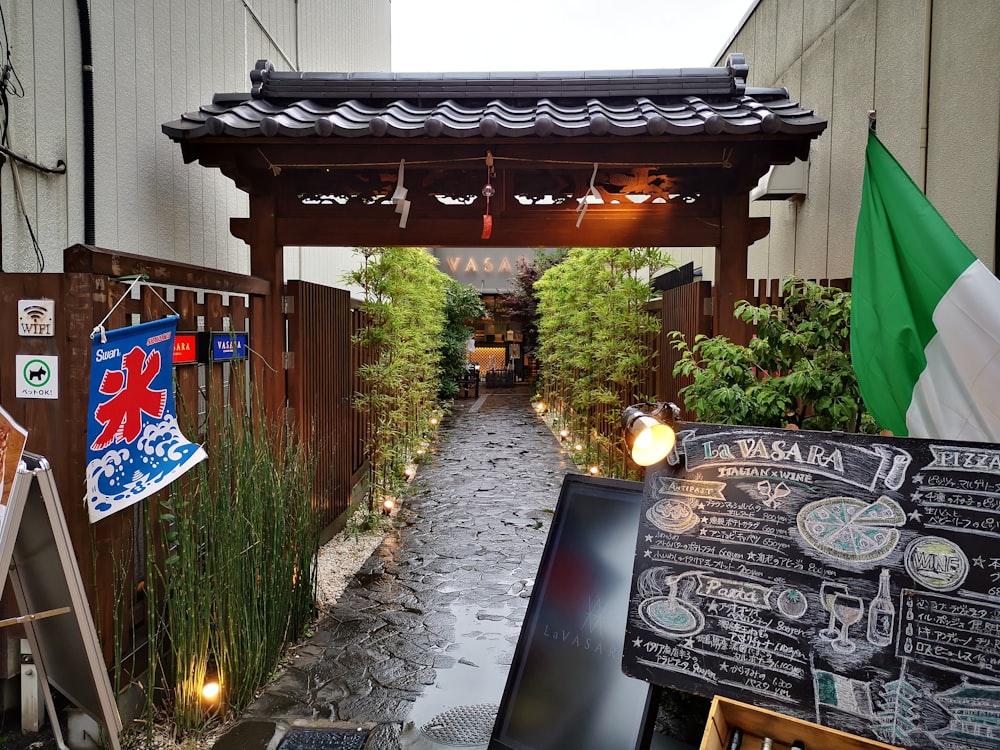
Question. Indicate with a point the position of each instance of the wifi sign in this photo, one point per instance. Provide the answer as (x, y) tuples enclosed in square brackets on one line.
[(36, 317)]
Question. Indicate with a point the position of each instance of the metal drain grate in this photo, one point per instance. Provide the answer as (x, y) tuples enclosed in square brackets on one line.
[(462, 726), (300, 738)]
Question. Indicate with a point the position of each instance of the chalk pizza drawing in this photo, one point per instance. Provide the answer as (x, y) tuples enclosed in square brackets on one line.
[(850, 529)]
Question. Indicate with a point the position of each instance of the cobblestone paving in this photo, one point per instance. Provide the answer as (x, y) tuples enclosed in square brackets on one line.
[(430, 621)]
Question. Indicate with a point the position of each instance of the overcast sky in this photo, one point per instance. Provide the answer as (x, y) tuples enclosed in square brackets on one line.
[(565, 35)]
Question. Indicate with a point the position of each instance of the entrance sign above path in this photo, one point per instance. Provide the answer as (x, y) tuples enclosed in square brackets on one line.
[(36, 557), (848, 580), (37, 376)]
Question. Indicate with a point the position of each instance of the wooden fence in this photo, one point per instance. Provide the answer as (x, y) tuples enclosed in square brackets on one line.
[(93, 282)]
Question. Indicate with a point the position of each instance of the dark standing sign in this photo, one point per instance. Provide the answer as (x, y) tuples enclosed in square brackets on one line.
[(565, 688), (849, 580)]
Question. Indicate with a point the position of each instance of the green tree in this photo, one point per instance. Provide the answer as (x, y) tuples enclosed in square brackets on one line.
[(404, 306), (462, 305), (795, 370), (595, 341), (521, 303)]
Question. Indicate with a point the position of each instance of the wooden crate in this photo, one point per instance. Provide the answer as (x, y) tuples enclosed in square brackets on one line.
[(758, 723)]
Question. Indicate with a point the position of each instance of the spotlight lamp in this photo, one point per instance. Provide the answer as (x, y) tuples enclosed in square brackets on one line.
[(649, 431)]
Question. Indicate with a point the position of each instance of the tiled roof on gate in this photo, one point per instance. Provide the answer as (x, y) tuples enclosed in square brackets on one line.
[(683, 101)]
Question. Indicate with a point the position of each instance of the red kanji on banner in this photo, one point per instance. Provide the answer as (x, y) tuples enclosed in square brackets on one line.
[(131, 396)]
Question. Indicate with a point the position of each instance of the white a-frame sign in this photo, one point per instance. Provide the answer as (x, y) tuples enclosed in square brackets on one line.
[(36, 556)]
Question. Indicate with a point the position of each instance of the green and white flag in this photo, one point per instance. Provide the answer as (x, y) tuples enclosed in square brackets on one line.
[(925, 320)]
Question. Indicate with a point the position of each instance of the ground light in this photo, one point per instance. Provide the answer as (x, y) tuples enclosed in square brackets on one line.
[(387, 505), (563, 433), (649, 431), (210, 691)]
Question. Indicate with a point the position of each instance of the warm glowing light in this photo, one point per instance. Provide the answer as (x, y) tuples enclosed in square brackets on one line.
[(649, 440), (388, 504), (540, 407), (434, 421), (578, 447), (210, 690), (408, 472), (563, 433), (595, 470)]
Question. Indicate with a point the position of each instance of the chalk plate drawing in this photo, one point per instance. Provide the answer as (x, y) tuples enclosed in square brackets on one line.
[(849, 580)]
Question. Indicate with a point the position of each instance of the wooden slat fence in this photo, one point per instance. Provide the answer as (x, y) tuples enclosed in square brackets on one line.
[(322, 379), (110, 553)]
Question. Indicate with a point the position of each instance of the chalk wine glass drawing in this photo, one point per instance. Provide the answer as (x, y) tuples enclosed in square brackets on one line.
[(827, 591), (848, 610)]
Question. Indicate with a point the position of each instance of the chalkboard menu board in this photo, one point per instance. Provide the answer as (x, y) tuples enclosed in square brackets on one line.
[(849, 580)]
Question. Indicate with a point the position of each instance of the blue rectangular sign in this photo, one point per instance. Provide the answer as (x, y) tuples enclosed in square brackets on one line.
[(229, 346)]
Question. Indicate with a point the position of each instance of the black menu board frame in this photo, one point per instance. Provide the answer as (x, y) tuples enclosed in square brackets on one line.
[(565, 687), (845, 579)]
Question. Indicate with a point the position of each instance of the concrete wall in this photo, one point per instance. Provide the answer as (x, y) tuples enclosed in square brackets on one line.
[(925, 67), (153, 60)]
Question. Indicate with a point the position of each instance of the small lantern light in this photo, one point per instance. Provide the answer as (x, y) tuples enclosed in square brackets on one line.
[(387, 506), (595, 470), (563, 433)]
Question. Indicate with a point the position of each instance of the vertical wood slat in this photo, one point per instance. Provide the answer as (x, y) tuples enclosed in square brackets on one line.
[(320, 389)]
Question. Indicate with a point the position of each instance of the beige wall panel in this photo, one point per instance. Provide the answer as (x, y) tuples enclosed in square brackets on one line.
[(47, 191), (701, 257), (758, 254), (102, 23), (789, 35), (784, 226), (765, 42), (367, 48), (818, 17), (123, 199), (147, 130), (18, 256), (962, 150), (900, 83), (814, 214), (781, 240), (164, 188), (853, 97)]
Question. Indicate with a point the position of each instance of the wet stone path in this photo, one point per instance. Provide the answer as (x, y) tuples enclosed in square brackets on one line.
[(420, 642)]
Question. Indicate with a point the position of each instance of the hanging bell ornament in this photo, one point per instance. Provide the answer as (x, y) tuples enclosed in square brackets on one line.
[(488, 190)]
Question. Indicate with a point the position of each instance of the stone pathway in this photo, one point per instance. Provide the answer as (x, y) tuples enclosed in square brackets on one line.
[(429, 623)]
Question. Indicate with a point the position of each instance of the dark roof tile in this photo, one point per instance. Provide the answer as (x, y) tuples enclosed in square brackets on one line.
[(458, 105)]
